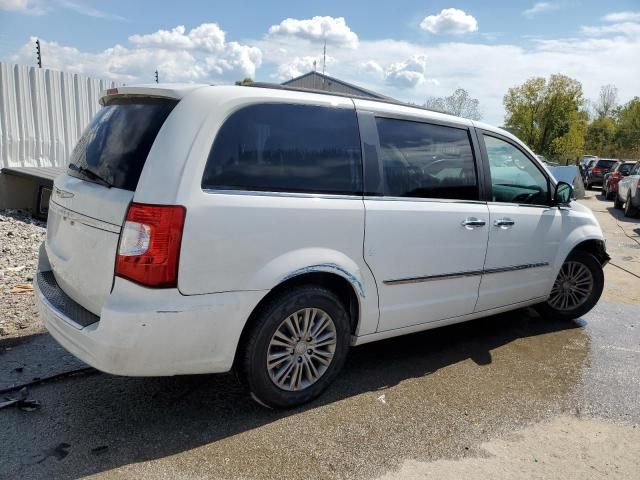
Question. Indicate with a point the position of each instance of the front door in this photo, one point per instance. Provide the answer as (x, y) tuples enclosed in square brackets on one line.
[(524, 231), (426, 233)]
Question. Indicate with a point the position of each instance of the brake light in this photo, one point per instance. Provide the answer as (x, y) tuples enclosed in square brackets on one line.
[(150, 245), (616, 175), (112, 91), (596, 170)]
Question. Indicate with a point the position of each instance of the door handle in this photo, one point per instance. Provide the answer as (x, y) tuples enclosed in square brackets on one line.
[(504, 223), (473, 222)]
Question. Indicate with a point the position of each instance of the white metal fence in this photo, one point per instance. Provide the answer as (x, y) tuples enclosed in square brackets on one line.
[(42, 114)]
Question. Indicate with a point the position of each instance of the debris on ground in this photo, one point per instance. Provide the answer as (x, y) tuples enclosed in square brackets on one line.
[(21, 401), (21, 288), (20, 239)]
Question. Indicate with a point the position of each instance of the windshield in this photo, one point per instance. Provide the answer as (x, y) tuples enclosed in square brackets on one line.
[(625, 168), (113, 149)]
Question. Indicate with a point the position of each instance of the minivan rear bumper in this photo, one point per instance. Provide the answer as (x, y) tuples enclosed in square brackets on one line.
[(149, 332)]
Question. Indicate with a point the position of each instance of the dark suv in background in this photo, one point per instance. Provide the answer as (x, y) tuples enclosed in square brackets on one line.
[(596, 173)]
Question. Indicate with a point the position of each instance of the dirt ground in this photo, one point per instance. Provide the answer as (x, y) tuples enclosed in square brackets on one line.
[(564, 447)]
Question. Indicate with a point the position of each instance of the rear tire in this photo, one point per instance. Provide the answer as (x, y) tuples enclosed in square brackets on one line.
[(588, 186), (577, 288), (629, 210), (289, 358), (617, 203)]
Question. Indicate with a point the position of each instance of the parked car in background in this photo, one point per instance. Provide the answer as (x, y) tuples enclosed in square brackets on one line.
[(201, 229), (611, 179), (597, 171), (584, 162), (628, 196)]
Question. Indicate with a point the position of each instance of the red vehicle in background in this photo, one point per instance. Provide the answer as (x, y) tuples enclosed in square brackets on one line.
[(611, 179)]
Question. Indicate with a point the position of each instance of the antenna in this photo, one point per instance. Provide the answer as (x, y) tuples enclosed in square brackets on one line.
[(156, 74), (38, 56)]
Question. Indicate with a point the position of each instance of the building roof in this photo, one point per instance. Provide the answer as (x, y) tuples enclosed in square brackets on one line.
[(315, 80)]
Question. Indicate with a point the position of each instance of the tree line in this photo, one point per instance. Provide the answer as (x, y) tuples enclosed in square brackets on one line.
[(555, 120)]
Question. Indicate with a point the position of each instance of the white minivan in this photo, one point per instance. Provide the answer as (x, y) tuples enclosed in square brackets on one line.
[(266, 230)]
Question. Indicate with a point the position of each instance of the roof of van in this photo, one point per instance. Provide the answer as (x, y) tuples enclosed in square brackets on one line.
[(179, 90)]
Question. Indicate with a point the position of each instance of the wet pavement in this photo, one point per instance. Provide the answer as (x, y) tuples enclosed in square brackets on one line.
[(428, 396), (436, 395)]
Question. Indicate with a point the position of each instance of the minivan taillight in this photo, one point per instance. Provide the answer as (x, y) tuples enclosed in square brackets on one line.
[(150, 245), (596, 170)]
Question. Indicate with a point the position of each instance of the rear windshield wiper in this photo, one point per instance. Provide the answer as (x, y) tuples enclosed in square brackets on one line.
[(90, 175)]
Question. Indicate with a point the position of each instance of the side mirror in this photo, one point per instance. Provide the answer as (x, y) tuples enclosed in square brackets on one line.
[(563, 194)]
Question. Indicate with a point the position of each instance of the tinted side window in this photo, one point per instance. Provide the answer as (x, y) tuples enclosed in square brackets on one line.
[(514, 177), (426, 161), (292, 148)]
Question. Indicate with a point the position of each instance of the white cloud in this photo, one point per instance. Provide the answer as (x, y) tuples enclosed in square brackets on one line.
[(202, 55), (372, 67), (30, 7), (87, 10), (13, 5), (317, 29), (540, 7), (299, 66), (409, 73), (208, 37), (622, 17), (450, 21), (625, 28)]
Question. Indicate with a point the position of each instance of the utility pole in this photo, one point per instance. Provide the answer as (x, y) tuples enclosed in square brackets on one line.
[(315, 64), (324, 61), (38, 56), (156, 76)]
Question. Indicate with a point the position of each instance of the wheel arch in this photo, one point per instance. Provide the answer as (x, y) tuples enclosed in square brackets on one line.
[(343, 287)]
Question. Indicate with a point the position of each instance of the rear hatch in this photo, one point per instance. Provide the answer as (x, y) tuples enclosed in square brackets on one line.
[(89, 202)]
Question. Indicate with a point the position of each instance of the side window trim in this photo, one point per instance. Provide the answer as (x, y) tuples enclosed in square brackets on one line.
[(487, 169), (372, 136)]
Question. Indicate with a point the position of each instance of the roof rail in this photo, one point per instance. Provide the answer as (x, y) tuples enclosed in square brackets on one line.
[(277, 86)]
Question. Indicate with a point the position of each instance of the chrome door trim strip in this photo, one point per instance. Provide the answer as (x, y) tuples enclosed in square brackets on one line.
[(471, 273), (69, 215), (516, 267), (443, 276)]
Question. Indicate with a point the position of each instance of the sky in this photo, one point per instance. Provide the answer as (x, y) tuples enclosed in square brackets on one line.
[(409, 50)]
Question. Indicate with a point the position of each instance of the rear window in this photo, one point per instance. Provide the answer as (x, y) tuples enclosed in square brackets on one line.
[(605, 163), (287, 148), (625, 168), (114, 147)]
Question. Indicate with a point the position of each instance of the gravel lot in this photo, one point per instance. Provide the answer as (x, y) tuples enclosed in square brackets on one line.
[(20, 239)]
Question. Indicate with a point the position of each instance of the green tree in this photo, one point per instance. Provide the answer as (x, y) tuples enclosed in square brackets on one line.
[(548, 115), (628, 132), (244, 81), (601, 137)]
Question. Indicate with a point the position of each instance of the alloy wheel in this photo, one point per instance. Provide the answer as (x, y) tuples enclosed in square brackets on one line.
[(572, 288), (301, 349)]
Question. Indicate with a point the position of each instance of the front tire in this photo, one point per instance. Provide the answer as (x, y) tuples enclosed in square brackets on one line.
[(296, 347), (577, 288), (617, 203)]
